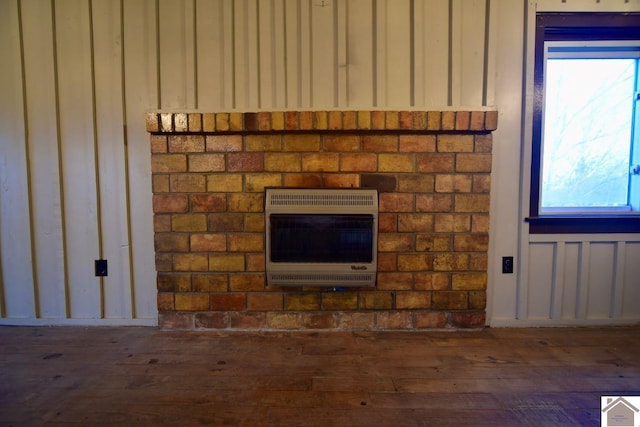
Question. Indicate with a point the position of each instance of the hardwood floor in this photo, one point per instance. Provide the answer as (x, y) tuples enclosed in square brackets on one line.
[(143, 376)]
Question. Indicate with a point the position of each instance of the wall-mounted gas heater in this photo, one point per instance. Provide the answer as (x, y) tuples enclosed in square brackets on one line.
[(321, 237)]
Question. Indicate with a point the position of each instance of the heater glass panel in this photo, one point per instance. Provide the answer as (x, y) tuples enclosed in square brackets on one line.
[(323, 238)]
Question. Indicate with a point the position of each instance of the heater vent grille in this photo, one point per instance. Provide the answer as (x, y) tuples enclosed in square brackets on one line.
[(329, 199)]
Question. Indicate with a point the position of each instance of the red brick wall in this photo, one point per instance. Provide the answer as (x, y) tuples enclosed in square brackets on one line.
[(432, 170)]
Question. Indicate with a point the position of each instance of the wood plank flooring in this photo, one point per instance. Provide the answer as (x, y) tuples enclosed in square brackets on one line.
[(146, 377)]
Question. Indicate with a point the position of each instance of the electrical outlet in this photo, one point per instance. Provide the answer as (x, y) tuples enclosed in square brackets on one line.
[(101, 268), (507, 265)]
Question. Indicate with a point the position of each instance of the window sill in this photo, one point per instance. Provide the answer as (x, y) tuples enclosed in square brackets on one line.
[(561, 224)]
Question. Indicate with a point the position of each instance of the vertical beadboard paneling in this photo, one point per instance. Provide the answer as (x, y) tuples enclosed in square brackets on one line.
[(272, 55), (380, 53), (305, 53), (78, 158), (473, 53), (246, 65), (467, 62), (631, 288), (398, 55), (177, 55), (279, 65), (431, 52), (212, 80), (342, 59), (323, 58), (266, 54), (359, 53), (215, 55), (541, 272), (107, 53), (229, 53), (140, 95), (455, 52), (293, 52), (42, 147), (16, 273), (493, 9)]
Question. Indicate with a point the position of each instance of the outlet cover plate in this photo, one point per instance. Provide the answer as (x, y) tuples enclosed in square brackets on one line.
[(507, 265), (101, 268)]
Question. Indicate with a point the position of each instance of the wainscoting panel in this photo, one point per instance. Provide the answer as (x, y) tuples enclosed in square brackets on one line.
[(581, 280), (631, 281), (536, 302)]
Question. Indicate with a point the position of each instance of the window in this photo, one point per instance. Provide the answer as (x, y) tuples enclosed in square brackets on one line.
[(586, 126), (588, 116)]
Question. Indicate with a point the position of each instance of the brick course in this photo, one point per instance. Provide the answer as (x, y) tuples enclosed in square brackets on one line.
[(431, 168)]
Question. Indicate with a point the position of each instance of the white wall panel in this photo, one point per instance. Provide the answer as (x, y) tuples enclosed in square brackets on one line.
[(212, 35), (360, 69), (541, 275), (51, 282), (631, 289), (16, 271), (431, 52), (77, 163), (601, 268), (177, 54), (110, 145), (557, 281), (305, 54), (140, 94), (272, 54), (267, 58), (293, 51), (380, 53), (342, 60), (617, 282), (468, 56), (397, 58), (570, 279), (279, 65), (583, 282), (494, 11), (246, 54), (323, 53)]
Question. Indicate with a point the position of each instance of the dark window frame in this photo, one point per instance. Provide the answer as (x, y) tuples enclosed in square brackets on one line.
[(573, 27)]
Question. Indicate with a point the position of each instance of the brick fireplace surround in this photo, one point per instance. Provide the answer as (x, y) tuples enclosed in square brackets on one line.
[(432, 170)]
